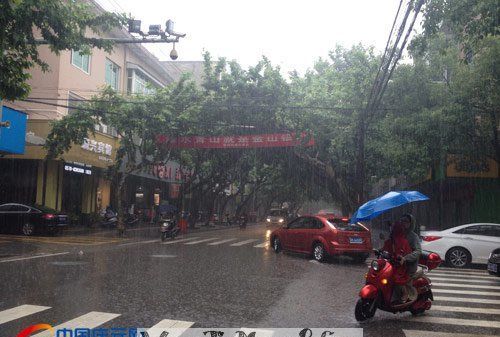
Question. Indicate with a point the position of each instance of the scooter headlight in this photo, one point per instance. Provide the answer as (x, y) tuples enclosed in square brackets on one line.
[(165, 224), (281, 220), (375, 265)]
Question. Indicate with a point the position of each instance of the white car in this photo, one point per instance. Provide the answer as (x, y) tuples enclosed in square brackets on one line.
[(463, 245)]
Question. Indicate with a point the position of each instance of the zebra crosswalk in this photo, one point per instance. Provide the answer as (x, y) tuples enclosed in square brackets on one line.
[(90, 320), (216, 241), (465, 298)]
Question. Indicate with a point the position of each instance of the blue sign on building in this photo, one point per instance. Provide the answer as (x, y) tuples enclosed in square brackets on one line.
[(12, 131)]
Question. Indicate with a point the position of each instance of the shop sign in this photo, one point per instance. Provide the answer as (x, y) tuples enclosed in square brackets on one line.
[(78, 168), (12, 130), (93, 145), (169, 171)]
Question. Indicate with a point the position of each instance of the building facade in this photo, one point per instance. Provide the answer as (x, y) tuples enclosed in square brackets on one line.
[(77, 182)]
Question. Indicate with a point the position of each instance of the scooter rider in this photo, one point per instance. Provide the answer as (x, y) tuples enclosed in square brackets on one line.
[(411, 259)]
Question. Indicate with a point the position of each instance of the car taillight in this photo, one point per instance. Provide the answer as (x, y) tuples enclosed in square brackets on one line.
[(48, 216), (430, 238)]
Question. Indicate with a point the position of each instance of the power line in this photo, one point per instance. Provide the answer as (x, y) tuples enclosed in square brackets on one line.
[(291, 107)]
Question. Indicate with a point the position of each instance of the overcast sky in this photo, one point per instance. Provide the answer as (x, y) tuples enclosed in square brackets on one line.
[(292, 34)]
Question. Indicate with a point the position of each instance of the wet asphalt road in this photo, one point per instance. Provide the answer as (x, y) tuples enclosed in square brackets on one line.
[(212, 283)]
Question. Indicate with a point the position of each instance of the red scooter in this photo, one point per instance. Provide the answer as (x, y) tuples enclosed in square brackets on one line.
[(377, 293)]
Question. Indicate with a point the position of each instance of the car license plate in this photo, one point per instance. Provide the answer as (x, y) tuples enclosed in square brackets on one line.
[(492, 267), (355, 240)]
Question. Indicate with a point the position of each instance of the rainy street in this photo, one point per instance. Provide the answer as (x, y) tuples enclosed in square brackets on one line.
[(216, 278)]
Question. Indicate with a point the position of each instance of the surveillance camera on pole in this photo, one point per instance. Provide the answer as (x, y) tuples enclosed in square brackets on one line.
[(169, 28)]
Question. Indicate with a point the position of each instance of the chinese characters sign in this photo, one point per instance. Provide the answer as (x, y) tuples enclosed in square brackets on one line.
[(169, 171), (93, 145), (242, 141)]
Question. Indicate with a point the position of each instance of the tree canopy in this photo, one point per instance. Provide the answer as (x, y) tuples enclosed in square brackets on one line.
[(62, 24)]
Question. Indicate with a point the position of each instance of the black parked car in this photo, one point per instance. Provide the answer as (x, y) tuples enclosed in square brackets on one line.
[(28, 220), (494, 263)]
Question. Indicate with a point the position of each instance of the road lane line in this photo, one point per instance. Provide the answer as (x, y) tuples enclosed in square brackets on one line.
[(467, 277), (488, 311), (466, 292), (241, 243), (89, 320), (32, 257), (262, 245), (178, 328), (465, 280), (461, 285), (453, 321), (200, 241), (178, 241), (221, 242), (465, 300), (139, 242), (420, 333), (20, 311)]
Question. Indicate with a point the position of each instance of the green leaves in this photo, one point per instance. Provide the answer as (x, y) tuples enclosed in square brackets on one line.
[(62, 23)]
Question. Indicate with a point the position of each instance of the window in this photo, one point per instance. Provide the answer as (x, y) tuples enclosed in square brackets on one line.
[(317, 224), (138, 83), (73, 102), (485, 230), (19, 208), (112, 74), (297, 224), (5, 208), (80, 61)]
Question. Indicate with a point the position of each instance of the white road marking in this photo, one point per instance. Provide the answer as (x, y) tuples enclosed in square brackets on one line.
[(467, 277), (20, 311), (453, 321), (262, 245), (466, 292), (32, 257), (177, 241), (488, 311), (200, 241), (456, 269), (175, 328), (164, 255), (461, 272), (465, 300), (471, 280), (138, 242), (461, 285), (90, 320), (241, 243), (221, 242), (419, 333)]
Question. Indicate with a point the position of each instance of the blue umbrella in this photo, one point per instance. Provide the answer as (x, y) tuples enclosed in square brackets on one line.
[(375, 207)]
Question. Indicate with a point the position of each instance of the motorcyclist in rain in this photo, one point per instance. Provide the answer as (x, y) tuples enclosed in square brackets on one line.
[(398, 247), (410, 259)]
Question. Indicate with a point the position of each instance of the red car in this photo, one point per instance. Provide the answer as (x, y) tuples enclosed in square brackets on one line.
[(321, 236)]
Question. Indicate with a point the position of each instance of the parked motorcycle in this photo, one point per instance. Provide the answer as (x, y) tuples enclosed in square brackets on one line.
[(168, 227), (108, 218), (378, 291)]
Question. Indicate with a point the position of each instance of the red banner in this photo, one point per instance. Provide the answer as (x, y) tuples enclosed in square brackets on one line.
[(242, 141)]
